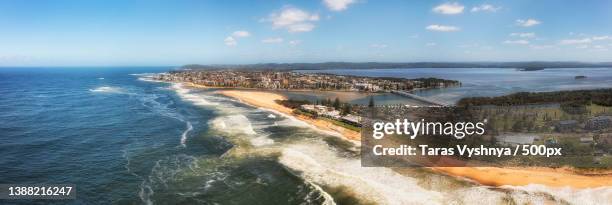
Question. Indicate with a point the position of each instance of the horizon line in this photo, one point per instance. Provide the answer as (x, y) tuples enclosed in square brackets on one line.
[(323, 62)]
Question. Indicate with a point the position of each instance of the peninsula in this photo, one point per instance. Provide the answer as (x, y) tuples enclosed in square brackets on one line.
[(288, 80)]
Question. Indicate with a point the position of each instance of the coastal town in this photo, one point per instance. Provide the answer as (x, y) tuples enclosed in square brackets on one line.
[(288, 80)]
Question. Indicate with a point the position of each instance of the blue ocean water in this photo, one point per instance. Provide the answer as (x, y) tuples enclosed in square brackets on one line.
[(122, 140)]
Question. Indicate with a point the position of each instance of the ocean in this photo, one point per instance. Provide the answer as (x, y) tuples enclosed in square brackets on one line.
[(122, 139)]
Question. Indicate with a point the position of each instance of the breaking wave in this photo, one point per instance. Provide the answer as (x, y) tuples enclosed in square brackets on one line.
[(600, 195), (186, 94), (233, 124), (108, 89), (317, 163), (184, 135)]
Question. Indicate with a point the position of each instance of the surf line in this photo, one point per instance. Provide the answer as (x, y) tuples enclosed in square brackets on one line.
[(184, 135)]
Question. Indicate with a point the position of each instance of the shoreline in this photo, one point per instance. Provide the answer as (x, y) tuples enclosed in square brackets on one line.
[(264, 99), (523, 176), (489, 176)]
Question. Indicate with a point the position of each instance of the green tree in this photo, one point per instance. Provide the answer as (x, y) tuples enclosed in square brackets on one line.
[(371, 103), (346, 109), (337, 104)]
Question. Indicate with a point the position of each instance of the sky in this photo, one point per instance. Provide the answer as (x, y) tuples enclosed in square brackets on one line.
[(151, 32)]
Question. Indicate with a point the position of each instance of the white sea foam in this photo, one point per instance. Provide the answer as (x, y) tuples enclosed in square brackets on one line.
[(184, 135), (108, 89), (317, 163), (149, 79), (186, 94), (233, 124), (261, 141), (292, 121), (474, 195), (272, 116), (144, 74), (164, 171), (588, 196), (329, 200)]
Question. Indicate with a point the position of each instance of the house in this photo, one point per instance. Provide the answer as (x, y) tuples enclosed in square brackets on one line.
[(516, 139), (308, 107), (322, 110), (330, 113), (598, 123), (352, 119)]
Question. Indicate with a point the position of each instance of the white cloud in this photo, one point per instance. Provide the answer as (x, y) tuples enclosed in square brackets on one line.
[(575, 41), (468, 45), (518, 42), (272, 40), (523, 35), (485, 8), (449, 8), (304, 27), (527, 22), (338, 5), (378, 45), (295, 42), (293, 19), (442, 28), (230, 41), (599, 38), (586, 40), (539, 47), (582, 46), (431, 44), (241, 34), (599, 48)]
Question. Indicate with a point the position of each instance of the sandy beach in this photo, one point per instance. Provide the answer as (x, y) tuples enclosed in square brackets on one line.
[(495, 176), (491, 176), (267, 100)]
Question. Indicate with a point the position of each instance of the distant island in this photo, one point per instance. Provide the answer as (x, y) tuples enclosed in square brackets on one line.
[(526, 66), (578, 77)]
